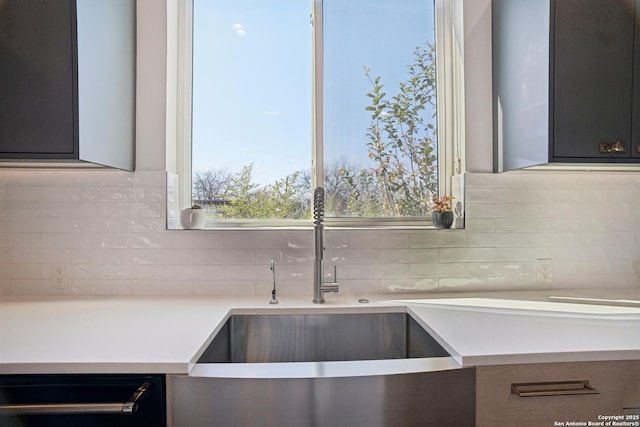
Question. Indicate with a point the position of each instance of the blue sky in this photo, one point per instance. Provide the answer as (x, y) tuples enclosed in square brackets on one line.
[(252, 77)]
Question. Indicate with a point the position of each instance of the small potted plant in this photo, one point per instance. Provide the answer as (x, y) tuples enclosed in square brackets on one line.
[(193, 218), (442, 214)]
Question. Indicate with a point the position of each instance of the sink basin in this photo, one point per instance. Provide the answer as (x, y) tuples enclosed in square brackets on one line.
[(326, 369), (270, 338)]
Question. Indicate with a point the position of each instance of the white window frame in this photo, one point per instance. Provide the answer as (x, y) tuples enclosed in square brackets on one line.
[(450, 107)]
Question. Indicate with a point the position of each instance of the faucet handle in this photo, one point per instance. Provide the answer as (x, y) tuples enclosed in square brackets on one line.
[(335, 275), (332, 286)]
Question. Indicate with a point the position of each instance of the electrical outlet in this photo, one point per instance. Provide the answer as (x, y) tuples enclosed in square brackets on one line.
[(544, 270), (59, 276)]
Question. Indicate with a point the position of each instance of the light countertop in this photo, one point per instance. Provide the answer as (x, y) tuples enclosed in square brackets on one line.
[(480, 331), (168, 334)]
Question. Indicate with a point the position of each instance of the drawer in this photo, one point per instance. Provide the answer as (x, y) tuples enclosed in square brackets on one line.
[(541, 394), (631, 387)]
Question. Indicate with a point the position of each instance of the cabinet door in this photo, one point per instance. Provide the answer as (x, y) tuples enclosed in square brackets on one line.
[(592, 78), (37, 79)]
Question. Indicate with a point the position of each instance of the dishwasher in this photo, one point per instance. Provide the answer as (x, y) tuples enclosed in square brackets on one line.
[(82, 400)]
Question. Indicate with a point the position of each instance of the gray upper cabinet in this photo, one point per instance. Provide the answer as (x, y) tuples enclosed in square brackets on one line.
[(564, 74), (67, 82)]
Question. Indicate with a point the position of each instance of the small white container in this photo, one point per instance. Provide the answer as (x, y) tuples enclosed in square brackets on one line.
[(192, 219)]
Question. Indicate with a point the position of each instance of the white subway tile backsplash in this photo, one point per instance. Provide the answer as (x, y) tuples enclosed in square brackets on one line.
[(146, 179), (438, 239), (99, 225), (411, 256), (296, 272), (192, 239), (578, 253), (109, 229), (71, 209), (235, 272), (374, 271), (355, 288), (39, 255), (227, 288), (286, 256), (161, 256), (33, 287), (17, 240), (616, 212), (101, 194), (436, 270), (480, 224), (144, 240), (512, 254), (605, 238), (386, 240), (332, 239), (352, 256), (140, 209), (147, 225), (38, 194), (78, 271), (254, 239), (163, 287), (193, 272), (224, 256), (144, 271), (462, 284), (70, 240), (502, 269), (521, 225), (100, 256), (603, 180), (148, 194), (285, 289), (101, 287), (524, 283), (26, 271), (458, 255), (402, 286)]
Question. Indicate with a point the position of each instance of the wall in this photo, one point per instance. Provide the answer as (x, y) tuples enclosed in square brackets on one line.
[(107, 228)]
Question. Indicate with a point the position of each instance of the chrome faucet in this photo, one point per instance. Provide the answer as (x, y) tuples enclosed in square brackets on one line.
[(319, 285)]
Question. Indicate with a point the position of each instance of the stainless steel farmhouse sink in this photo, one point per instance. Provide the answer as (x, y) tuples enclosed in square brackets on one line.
[(268, 338), (315, 368)]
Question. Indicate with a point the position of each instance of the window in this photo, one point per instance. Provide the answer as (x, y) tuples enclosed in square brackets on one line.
[(281, 105), (379, 104)]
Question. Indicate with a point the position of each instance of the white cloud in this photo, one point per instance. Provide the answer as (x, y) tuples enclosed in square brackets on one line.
[(239, 30)]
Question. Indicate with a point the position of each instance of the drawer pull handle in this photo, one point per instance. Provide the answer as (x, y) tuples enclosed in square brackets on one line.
[(616, 147), (129, 407), (556, 388)]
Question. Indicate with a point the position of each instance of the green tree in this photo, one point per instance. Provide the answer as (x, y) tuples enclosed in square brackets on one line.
[(288, 197), (243, 196), (402, 138)]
